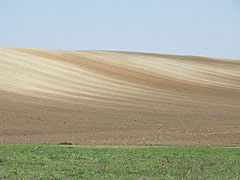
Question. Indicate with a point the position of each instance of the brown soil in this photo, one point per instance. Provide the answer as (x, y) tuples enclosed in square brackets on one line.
[(118, 98)]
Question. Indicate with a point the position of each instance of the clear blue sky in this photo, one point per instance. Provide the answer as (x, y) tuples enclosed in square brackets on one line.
[(190, 27)]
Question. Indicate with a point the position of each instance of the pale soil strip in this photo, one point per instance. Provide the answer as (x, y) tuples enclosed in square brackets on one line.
[(102, 97)]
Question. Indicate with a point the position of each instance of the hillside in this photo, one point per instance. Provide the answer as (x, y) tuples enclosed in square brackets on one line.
[(121, 98)]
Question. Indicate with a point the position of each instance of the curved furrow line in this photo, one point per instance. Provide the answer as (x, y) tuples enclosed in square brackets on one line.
[(190, 72), (63, 78), (49, 96), (64, 81)]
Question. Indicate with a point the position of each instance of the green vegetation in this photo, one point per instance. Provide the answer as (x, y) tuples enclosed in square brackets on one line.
[(149, 162), (65, 143)]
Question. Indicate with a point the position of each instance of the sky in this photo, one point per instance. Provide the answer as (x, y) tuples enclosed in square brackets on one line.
[(200, 27)]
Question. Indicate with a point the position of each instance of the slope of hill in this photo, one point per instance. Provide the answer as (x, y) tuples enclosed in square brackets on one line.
[(122, 98)]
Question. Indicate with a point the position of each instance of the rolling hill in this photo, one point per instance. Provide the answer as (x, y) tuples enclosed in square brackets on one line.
[(118, 98)]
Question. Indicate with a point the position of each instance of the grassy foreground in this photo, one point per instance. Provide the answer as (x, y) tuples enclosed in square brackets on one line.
[(149, 162)]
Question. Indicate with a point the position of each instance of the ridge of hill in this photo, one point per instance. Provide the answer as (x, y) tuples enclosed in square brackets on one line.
[(121, 98)]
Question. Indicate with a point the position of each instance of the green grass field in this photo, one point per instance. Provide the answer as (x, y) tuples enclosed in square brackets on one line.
[(133, 162)]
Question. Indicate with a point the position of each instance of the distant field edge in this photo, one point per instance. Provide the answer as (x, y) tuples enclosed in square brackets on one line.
[(119, 146)]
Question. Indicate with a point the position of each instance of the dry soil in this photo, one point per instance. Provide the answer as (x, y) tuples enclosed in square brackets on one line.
[(118, 98)]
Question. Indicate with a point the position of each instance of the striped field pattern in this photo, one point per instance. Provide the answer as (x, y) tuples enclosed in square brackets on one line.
[(118, 98)]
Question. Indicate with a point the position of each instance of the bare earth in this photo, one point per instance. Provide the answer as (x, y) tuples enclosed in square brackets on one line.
[(118, 98)]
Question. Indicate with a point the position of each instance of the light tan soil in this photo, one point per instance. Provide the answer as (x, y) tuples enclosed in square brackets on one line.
[(118, 98)]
